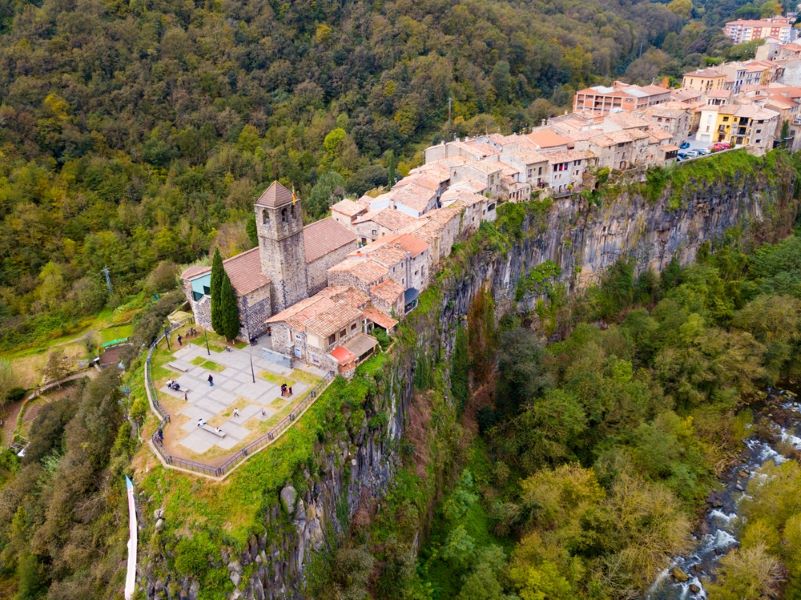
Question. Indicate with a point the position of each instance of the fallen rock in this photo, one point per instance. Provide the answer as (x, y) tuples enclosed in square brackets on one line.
[(695, 588), (679, 575), (288, 497), (159, 524), (158, 514)]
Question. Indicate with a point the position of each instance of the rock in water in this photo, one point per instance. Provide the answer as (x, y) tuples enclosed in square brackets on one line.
[(679, 575), (695, 588), (288, 497)]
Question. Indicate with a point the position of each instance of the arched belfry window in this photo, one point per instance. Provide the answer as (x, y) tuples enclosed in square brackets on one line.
[(265, 216), (283, 215), (292, 211)]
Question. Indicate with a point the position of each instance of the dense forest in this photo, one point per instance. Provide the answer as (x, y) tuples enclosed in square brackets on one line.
[(135, 134), (594, 452)]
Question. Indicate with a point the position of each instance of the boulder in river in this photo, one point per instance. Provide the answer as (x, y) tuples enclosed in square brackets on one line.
[(695, 588), (679, 575)]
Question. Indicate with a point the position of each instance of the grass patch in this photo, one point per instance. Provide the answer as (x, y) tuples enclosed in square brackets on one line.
[(207, 364), (276, 379), (115, 333)]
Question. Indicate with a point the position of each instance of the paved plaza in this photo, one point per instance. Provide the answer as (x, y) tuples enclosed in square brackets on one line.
[(233, 389)]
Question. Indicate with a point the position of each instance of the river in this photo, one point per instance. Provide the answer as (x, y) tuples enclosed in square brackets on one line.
[(717, 535)]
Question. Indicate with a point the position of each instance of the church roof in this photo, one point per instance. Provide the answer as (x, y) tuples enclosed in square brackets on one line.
[(323, 237), (244, 271), (274, 196)]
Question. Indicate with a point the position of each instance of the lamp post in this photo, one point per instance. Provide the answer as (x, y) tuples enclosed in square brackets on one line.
[(167, 337), (250, 354), (206, 337)]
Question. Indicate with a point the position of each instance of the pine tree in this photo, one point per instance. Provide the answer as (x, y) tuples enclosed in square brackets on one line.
[(217, 272), (229, 309)]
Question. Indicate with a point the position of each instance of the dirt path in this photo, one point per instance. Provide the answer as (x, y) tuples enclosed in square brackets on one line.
[(10, 422)]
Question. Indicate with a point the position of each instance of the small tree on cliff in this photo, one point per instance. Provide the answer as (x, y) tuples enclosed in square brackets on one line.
[(229, 309), (217, 272)]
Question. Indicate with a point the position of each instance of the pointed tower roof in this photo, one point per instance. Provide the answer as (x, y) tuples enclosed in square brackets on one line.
[(274, 196)]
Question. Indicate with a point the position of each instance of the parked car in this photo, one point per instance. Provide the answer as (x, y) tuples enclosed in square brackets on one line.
[(692, 153), (702, 151), (684, 145), (718, 146), (680, 156)]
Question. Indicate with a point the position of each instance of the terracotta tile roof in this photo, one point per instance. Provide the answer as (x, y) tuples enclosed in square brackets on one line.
[(389, 218), (332, 318), (323, 237), (324, 313), (411, 243), (413, 195), (388, 291), (275, 195), (706, 73), (379, 318), (349, 208), (244, 271), (362, 268), (388, 255), (546, 137)]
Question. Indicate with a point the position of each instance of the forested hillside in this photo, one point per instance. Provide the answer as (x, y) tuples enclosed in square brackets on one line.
[(138, 132)]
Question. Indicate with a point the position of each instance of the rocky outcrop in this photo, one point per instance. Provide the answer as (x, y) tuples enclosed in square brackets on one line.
[(583, 240)]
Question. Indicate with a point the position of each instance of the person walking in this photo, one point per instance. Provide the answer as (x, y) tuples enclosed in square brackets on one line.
[(211, 380), (180, 340), (186, 395), (236, 412)]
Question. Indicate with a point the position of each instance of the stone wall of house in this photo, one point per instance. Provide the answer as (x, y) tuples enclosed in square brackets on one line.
[(317, 271)]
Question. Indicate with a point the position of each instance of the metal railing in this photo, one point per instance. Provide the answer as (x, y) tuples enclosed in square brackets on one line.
[(219, 471)]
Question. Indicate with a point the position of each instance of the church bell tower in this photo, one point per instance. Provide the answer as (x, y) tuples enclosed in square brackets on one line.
[(279, 223)]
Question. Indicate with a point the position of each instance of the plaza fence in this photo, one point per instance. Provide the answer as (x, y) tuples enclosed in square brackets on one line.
[(220, 471)]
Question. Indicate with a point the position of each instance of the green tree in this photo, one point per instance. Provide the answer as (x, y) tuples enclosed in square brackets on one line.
[(217, 274), (229, 318), (329, 189)]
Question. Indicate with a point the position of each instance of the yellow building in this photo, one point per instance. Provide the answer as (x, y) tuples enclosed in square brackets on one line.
[(704, 80), (746, 125)]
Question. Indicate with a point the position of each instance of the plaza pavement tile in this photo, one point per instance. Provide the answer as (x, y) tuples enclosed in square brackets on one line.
[(199, 441)]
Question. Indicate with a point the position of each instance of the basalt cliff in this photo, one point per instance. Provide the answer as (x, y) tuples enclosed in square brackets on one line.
[(352, 469)]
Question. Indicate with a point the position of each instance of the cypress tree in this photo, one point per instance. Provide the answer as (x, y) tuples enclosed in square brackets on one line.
[(217, 272), (229, 310)]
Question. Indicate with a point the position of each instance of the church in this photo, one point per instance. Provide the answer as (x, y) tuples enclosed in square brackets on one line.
[(289, 264)]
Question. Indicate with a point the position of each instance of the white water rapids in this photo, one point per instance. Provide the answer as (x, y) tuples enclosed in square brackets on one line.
[(722, 522)]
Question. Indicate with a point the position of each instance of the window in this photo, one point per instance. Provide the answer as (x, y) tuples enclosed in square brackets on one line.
[(375, 232), (265, 216), (353, 326), (283, 215), (292, 210), (332, 338), (343, 333), (207, 290)]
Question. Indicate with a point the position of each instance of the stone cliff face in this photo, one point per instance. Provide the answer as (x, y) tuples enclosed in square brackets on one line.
[(583, 240)]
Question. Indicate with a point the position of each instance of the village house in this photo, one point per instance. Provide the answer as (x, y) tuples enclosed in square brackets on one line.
[(602, 99), (373, 225), (704, 80), (746, 30), (739, 125), (313, 329), (672, 117), (346, 211)]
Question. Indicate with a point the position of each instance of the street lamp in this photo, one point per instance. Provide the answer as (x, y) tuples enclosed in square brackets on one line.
[(167, 337), (206, 336), (252, 373)]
